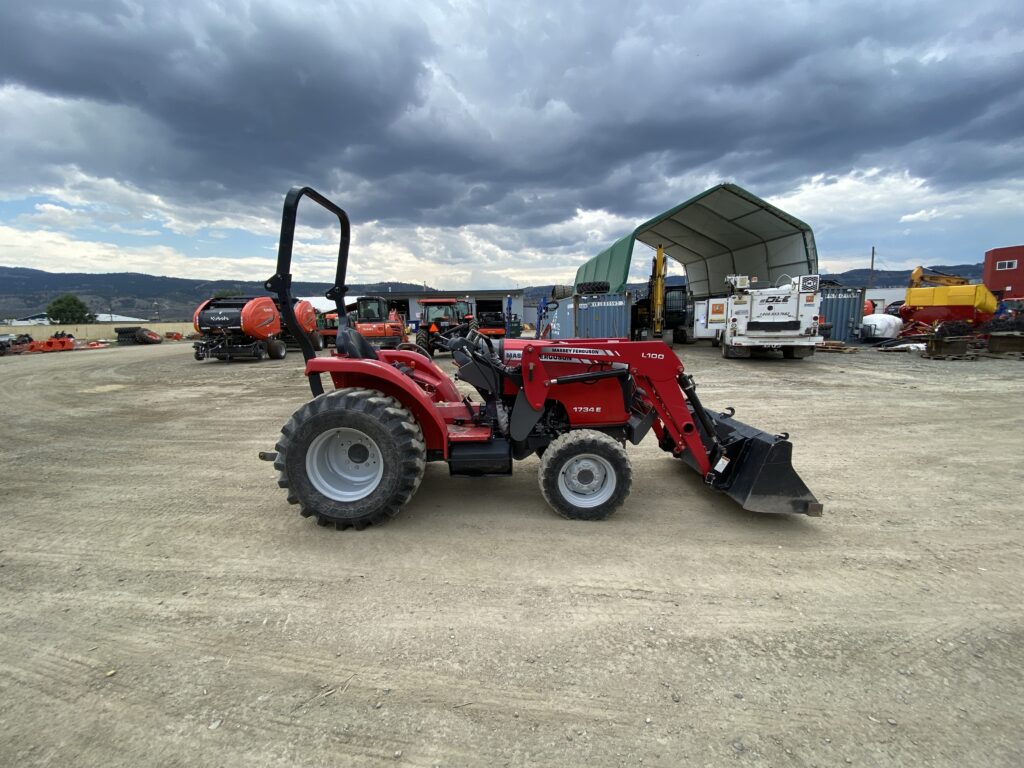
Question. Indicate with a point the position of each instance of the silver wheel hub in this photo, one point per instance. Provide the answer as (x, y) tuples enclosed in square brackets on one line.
[(587, 480), (344, 464)]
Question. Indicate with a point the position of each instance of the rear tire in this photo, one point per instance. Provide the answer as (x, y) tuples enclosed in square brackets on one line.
[(729, 352), (146, 336), (276, 349), (351, 458), (797, 353), (585, 475), (423, 341)]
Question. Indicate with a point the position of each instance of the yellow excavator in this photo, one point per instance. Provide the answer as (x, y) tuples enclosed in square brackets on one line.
[(935, 297), (919, 278)]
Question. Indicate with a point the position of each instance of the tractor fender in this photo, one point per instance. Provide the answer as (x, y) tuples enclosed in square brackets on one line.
[(373, 374)]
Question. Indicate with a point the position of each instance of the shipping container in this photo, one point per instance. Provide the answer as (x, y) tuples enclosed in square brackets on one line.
[(597, 316), (844, 308), (603, 316)]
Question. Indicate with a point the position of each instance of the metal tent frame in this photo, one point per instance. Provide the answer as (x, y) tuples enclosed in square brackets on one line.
[(723, 231)]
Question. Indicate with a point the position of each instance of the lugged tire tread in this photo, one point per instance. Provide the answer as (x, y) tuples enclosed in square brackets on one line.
[(398, 421), (574, 439)]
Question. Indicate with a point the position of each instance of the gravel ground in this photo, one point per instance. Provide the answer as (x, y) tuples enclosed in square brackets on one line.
[(162, 605)]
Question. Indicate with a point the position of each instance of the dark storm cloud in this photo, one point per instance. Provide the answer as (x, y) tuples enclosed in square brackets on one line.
[(520, 114)]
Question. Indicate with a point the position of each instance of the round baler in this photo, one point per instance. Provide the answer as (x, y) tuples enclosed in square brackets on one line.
[(238, 326)]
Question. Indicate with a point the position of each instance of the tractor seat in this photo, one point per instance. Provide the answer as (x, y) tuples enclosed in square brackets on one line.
[(357, 347)]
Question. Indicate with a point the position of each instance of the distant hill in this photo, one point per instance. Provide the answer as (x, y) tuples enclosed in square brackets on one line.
[(858, 278), (854, 278), (28, 291)]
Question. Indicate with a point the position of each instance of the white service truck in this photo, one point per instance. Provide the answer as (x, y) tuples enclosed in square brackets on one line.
[(781, 317)]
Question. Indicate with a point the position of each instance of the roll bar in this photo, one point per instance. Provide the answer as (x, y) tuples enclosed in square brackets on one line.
[(281, 282)]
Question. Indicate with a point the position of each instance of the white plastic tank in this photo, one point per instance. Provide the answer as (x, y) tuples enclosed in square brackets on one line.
[(880, 326)]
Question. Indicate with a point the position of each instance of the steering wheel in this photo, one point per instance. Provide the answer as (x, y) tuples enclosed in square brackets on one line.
[(482, 343), (411, 347)]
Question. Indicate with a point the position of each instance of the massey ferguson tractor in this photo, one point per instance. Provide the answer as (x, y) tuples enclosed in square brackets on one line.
[(354, 456)]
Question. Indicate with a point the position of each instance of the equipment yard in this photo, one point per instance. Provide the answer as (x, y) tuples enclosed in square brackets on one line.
[(162, 604)]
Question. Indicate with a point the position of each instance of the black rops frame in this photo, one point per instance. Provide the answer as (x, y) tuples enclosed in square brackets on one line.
[(281, 282)]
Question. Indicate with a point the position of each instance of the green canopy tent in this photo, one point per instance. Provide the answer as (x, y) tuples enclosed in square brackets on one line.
[(723, 231)]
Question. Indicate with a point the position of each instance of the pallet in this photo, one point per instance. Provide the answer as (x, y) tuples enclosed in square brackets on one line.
[(968, 356), (835, 346)]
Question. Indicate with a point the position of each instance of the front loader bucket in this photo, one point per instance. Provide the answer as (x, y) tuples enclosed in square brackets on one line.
[(759, 475)]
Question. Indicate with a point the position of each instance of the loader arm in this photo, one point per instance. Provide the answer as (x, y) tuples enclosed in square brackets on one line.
[(751, 466)]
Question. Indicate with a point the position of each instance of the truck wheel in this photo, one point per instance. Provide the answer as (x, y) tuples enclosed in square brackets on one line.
[(717, 339), (585, 475), (316, 340), (423, 341), (797, 353), (729, 352), (276, 349), (598, 286), (351, 458)]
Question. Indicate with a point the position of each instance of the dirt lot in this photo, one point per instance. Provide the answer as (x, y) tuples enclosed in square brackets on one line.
[(161, 604)]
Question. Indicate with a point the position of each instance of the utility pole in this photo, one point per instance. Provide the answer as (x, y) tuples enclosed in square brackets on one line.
[(871, 273)]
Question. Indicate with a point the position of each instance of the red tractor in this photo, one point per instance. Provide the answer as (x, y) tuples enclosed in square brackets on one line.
[(354, 456), (441, 320)]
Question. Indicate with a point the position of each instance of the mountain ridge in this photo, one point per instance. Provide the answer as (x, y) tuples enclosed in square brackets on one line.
[(25, 291)]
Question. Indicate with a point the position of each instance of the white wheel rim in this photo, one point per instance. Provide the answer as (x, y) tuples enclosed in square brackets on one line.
[(587, 480), (344, 464)]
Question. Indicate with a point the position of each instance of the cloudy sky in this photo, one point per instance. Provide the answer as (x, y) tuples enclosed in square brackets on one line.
[(477, 144)]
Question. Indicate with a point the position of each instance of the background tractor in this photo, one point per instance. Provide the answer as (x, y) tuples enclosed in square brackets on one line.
[(442, 319), (370, 316)]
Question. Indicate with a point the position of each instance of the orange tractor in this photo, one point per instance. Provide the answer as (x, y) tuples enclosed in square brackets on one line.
[(370, 316), (443, 319)]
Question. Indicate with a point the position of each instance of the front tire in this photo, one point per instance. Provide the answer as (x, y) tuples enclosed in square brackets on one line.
[(351, 458), (423, 342), (276, 349), (585, 475)]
